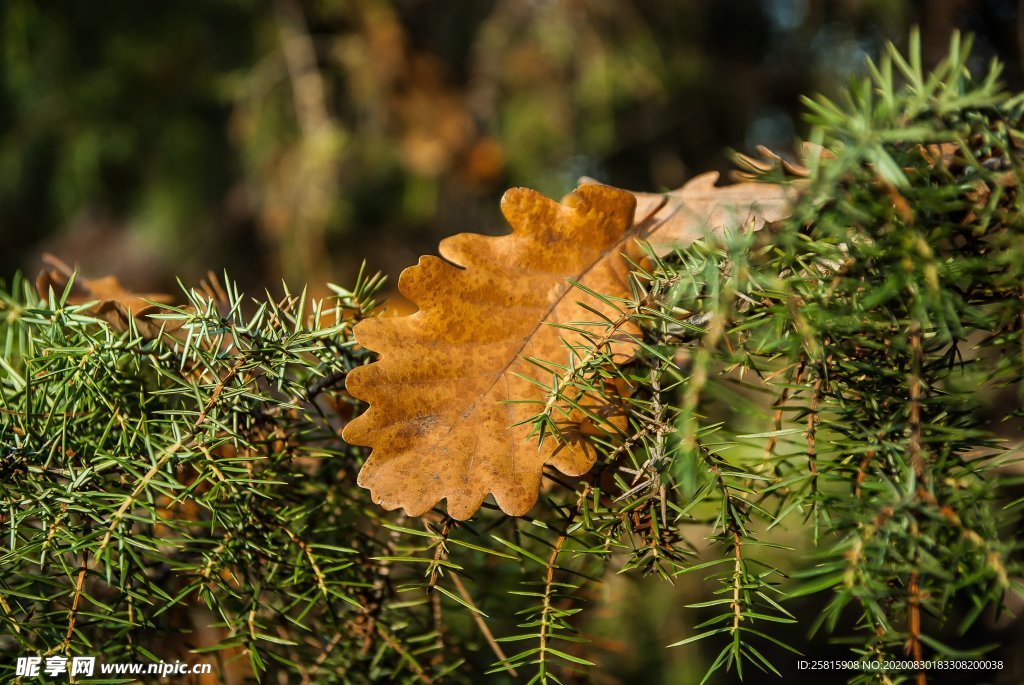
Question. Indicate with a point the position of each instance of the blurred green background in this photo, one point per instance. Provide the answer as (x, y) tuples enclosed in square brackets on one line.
[(292, 139)]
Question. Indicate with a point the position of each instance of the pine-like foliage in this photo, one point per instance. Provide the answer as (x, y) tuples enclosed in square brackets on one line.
[(853, 372)]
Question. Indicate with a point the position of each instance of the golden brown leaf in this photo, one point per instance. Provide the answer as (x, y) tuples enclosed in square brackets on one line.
[(449, 393), (441, 419)]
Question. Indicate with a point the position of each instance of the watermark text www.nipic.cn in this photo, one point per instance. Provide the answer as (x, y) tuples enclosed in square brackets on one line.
[(85, 667)]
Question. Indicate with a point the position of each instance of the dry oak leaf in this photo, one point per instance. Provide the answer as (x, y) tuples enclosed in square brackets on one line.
[(448, 396)]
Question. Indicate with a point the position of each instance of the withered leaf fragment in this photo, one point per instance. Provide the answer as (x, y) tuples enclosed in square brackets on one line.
[(450, 391), (680, 216), (113, 303)]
